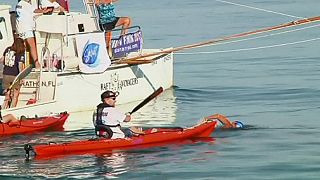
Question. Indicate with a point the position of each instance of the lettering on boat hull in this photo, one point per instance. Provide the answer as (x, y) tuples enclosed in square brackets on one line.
[(35, 84), (117, 84)]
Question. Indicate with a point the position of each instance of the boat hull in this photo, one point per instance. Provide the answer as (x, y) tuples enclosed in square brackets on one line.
[(152, 137), (30, 125), (76, 91)]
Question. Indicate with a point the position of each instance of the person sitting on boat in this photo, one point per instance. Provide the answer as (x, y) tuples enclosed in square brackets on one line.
[(26, 25), (9, 119), (52, 3), (13, 59), (107, 17), (226, 123), (107, 118)]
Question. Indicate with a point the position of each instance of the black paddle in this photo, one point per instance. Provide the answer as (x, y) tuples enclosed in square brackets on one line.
[(148, 99)]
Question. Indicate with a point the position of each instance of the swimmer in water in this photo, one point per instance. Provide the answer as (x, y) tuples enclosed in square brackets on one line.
[(226, 123)]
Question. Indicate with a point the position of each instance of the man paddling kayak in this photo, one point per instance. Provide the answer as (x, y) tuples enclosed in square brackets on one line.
[(107, 118)]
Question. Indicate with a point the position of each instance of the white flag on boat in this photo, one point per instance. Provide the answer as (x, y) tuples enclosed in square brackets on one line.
[(92, 52)]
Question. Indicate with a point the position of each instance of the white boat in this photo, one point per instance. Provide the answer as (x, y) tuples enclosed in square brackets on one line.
[(75, 87)]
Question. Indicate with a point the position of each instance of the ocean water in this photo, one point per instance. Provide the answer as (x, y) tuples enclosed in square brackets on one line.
[(270, 82)]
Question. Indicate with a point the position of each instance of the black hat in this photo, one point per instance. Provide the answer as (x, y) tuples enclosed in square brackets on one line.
[(108, 94)]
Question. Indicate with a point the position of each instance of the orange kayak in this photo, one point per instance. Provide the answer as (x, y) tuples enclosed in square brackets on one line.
[(28, 125), (151, 136)]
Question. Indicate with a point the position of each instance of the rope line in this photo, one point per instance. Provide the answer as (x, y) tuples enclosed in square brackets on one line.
[(263, 36), (260, 9), (254, 48)]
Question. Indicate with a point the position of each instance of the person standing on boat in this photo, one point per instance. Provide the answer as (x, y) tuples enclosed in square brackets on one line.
[(13, 59), (26, 25), (108, 19), (107, 117), (52, 3)]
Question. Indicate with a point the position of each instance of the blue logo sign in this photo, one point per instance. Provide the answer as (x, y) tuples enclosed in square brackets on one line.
[(90, 54)]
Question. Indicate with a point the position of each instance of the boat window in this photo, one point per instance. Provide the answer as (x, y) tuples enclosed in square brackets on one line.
[(2, 20)]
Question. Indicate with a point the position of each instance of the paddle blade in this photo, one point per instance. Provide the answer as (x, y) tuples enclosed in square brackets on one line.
[(148, 99), (20, 76)]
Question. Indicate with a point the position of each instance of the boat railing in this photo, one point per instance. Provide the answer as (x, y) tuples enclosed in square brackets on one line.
[(6, 38), (91, 9), (4, 21)]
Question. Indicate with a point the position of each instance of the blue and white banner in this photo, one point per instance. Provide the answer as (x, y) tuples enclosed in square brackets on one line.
[(92, 50), (131, 42)]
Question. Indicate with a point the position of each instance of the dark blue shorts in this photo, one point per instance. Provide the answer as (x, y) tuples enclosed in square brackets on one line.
[(111, 25)]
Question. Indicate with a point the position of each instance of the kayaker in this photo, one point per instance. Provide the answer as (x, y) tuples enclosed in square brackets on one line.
[(107, 118), (226, 123)]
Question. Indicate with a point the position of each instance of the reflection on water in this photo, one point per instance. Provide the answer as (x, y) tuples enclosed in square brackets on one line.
[(160, 111), (111, 165), (117, 164)]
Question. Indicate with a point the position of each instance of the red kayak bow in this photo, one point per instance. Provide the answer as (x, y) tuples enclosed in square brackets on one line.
[(28, 125)]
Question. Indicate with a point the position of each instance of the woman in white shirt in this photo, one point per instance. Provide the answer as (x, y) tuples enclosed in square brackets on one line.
[(26, 25)]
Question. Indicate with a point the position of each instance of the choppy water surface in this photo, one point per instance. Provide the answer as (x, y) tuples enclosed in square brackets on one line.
[(274, 89)]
